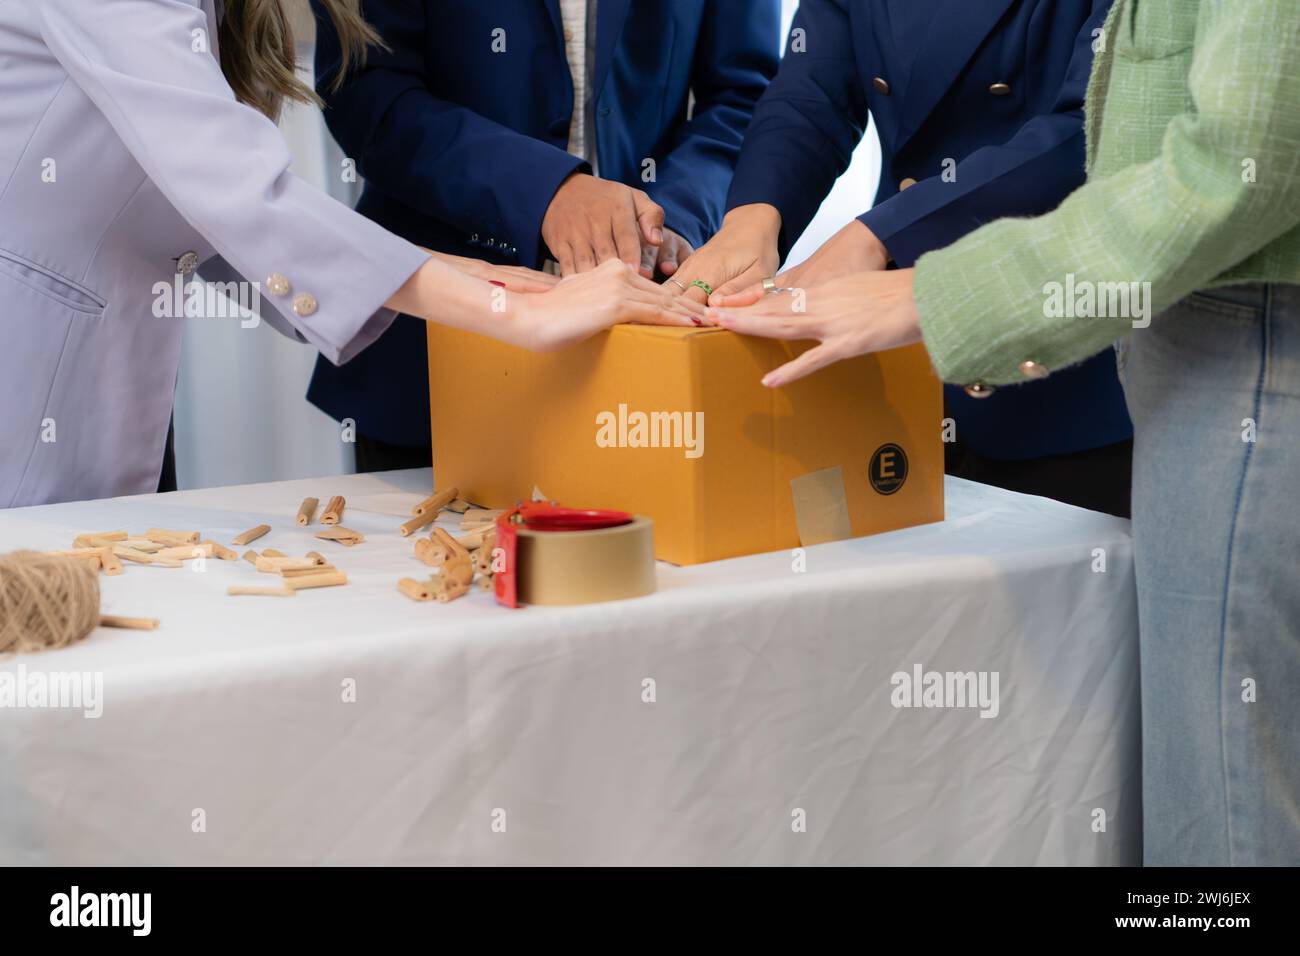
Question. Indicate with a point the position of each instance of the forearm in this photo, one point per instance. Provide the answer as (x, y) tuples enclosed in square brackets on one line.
[(439, 292)]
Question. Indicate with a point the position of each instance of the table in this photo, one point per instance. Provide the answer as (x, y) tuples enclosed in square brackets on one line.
[(744, 714)]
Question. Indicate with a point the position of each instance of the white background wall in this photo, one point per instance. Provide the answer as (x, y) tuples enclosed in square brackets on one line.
[(240, 412)]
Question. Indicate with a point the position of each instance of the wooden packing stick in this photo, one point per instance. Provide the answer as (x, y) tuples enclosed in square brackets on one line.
[(460, 506), (415, 590), (157, 562), (186, 552), (252, 534), (304, 572), (130, 623), (473, 539), (307, 511), (449, 590), (424, 550), (108, 561), (142, 544), (483, 560), (76, 553), (333, 512), (485, 582), (419, 521), (250, 556), (324, 579), (435, 502), (479, 516), (251, 589), (459, 569), (320, 558), (168, 536), (221, 552), (131, 554), (99, 540), (272, 553), (454, 547), (276, 565), (342, 535)]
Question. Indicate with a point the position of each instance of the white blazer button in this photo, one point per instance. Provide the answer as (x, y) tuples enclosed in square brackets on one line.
[(277, 284), (1034, 370), (187, 262), (979, 390), (304, 304)]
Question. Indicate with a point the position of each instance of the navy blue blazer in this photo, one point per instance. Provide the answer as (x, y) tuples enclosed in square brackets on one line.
[(462, 148), (979, 108)]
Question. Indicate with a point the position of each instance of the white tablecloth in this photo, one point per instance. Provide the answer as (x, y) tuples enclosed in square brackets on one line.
[(488, 736)]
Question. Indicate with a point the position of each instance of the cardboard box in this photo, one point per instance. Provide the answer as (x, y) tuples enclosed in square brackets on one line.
[(738, 469)]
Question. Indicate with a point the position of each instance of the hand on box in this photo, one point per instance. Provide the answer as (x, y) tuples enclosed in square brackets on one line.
[(666, 259), (582, 305), (512, 278), (591, 221), (853, 315), (853, 249), (743, 252)]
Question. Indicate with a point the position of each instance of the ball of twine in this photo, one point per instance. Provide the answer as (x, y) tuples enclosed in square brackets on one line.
[(45, 601)]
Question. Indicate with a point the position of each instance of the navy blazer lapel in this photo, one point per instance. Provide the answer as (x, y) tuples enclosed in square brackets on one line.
[(610, 17), (958, 29), (557, 20)]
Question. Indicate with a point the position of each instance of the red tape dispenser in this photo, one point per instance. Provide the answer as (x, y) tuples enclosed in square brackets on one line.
[(555, 555)]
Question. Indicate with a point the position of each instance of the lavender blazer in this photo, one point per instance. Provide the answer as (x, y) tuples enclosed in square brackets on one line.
[(126, 161)]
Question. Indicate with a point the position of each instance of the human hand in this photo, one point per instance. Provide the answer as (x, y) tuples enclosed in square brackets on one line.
[(858, 313), (853, 249), (512, 278), (592, 220), (742, 253), (582, 305), (666, 259)]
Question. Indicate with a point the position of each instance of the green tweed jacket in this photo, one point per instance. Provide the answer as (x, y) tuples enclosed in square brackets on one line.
[(1193, 128)]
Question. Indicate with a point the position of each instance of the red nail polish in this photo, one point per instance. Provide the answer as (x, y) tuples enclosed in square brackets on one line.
[(496, 283), (696, 321)]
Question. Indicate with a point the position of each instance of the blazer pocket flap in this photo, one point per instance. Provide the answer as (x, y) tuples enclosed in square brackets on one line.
[(50, 283)]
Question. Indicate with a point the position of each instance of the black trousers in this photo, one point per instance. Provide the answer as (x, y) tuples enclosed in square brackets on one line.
[(1099, 479), (167, 479), (375, 455)]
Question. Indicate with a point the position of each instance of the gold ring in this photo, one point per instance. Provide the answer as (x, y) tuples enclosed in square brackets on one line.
[(769, 285)]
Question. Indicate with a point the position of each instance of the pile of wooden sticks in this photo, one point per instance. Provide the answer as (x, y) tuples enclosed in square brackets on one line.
[(461, 561)]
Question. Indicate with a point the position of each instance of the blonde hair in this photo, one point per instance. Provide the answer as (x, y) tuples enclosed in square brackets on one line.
[(258, 56)]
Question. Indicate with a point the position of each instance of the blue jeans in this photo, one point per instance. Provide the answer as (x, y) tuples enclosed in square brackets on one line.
[(1213, 386)]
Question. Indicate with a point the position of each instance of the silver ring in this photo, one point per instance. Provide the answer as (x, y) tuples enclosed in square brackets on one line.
[(678, 284)]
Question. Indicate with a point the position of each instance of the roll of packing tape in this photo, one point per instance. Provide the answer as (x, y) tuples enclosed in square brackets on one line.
[(586, 567)]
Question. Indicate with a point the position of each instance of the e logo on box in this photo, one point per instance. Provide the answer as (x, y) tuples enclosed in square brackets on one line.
[(888, 469)]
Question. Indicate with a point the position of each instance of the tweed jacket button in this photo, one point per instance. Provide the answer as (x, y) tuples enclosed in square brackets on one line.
[(1000, 89), (1033, 370), (979, 390), (277, 284), (907, 183), (881, 85), (187, 262)]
